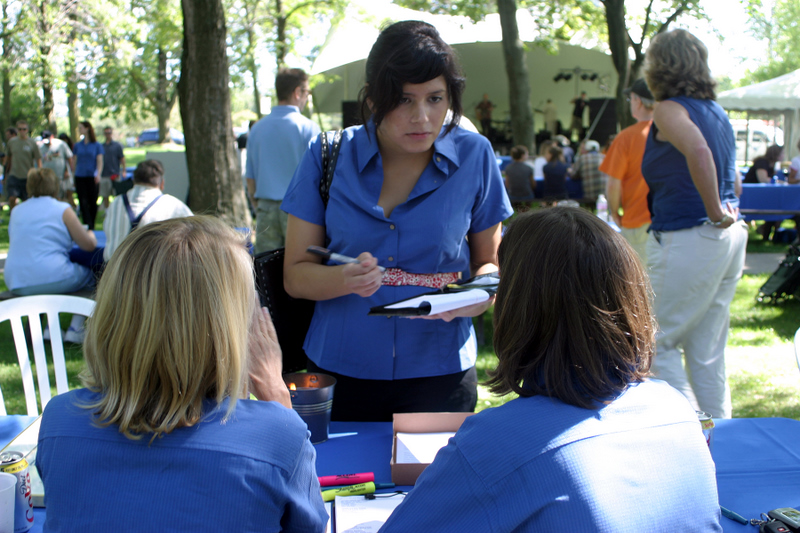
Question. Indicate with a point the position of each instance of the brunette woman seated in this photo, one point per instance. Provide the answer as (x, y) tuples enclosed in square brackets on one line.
[(592, 443)]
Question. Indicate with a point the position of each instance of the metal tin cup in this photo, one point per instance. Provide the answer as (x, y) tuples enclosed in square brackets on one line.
[(312, 398), (707, 423)]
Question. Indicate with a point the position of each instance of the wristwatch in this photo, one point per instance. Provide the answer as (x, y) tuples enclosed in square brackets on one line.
[(719, 223)]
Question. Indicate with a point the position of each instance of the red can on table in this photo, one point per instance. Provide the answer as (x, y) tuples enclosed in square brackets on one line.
[(14, 463), (707, 423)]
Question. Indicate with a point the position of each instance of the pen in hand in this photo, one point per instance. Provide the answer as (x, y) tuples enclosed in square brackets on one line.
[(333, 256)]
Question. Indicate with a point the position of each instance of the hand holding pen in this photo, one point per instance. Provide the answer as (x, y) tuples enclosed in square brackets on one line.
[(362, 275)]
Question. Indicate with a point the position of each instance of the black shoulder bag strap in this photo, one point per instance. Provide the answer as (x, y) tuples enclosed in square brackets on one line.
[(329, 157), (134, 219)]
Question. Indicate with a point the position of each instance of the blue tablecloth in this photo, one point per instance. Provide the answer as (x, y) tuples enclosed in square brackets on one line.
[(757, 459), (767, 196)]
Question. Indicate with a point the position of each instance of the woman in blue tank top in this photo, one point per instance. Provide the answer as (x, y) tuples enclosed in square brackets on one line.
[(696, 246)]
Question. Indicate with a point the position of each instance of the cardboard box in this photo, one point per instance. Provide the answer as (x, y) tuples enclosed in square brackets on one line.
[(405, 473)]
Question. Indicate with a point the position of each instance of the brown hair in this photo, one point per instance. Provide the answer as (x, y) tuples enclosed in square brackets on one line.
[(572, 318), (676, 64), (773, 154), (89, 130), (170, 330), (518, 152), (149, 172), (42, 182), (555, 153), (287, 80)]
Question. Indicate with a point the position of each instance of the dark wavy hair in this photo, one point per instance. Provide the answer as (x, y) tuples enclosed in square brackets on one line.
[(773, 154), (572, 318), (410, 51), (676, 64)]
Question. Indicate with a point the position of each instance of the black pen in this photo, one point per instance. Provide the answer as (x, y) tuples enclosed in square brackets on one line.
[(339, 258)]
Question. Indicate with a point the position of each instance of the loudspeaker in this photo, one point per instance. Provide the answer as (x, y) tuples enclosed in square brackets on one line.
[(607, 125), (351, 114)]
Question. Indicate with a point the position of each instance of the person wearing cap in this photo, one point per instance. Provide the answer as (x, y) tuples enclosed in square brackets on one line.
[(22, 154), (56, 155), (585, 169), (626, 188)]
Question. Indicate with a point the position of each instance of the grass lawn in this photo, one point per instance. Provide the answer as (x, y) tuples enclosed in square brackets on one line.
[(134, 156), (763, 374)]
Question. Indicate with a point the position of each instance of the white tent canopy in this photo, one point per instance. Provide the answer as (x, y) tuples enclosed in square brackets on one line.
[(343, 57), (780, 95)]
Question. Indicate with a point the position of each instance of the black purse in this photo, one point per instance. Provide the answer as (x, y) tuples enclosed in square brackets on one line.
[(292, 316)]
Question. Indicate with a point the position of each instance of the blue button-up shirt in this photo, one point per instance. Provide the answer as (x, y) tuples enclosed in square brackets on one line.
[(460, 192), (275, 145)]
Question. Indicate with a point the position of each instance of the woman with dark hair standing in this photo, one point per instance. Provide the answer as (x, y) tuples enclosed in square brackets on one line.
[(696, 248), (591, 441), (88, 163), (68, 184), (419, 197)]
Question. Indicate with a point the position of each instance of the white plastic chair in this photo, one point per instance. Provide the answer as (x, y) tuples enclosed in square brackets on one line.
[(33, 306), (797, 347)]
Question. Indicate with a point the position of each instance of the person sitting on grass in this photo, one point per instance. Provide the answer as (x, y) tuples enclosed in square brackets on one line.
[(592, 440), (41, 232)]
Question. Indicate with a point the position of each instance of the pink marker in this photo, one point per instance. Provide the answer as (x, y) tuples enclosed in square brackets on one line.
[(346, 479)]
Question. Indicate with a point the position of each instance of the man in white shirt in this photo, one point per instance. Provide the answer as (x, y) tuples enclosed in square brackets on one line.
[(145, 204)]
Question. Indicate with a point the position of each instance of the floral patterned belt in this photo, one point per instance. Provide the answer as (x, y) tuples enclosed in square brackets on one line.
[(395, 277)]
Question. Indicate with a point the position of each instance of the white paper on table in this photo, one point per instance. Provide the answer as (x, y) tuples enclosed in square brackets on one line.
[(420, 448), (444, 302), (328, 509), (356, 514)]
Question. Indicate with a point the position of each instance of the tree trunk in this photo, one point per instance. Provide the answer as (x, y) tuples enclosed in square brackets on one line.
[(162, 104), (71, 74), (7, 86), (618, 44), (215, 184), (517, 70), (253, 64)]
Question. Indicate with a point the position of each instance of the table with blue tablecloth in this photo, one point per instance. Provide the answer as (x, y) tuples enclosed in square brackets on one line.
[(767, 201), (757, 460)]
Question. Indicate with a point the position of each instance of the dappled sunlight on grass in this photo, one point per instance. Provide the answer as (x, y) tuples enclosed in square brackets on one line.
[(759, 324)]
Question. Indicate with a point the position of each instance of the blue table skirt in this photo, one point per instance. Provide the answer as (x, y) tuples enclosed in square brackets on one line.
[(757, 461), (769, 196)]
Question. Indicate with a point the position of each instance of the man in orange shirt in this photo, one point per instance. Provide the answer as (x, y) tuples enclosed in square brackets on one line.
[(626, 187)]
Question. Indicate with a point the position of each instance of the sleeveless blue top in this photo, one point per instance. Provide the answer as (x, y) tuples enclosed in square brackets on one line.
[(676, 204)]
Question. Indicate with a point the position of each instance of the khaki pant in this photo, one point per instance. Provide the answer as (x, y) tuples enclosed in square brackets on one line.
[(637, 238), (270, 225), (694, 274)]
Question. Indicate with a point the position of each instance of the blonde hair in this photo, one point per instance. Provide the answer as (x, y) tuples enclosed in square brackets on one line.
[(170, 329), (676, 64), (42, 182)]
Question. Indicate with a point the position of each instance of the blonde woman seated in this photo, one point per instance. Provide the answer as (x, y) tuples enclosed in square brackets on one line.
[(160, 438), (592, 443), (41, 232)]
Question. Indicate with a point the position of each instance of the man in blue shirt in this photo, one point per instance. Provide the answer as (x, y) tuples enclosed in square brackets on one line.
[(275, 145)]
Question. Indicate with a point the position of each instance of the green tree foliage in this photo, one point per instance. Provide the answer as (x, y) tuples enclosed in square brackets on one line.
[(136, 60), (781, 30), (274, 26)]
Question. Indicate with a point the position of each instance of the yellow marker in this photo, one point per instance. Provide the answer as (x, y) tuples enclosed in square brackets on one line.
[(354, 490)]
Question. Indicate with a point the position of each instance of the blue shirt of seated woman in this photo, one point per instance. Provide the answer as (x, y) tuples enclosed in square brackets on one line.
[(592, 441)]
